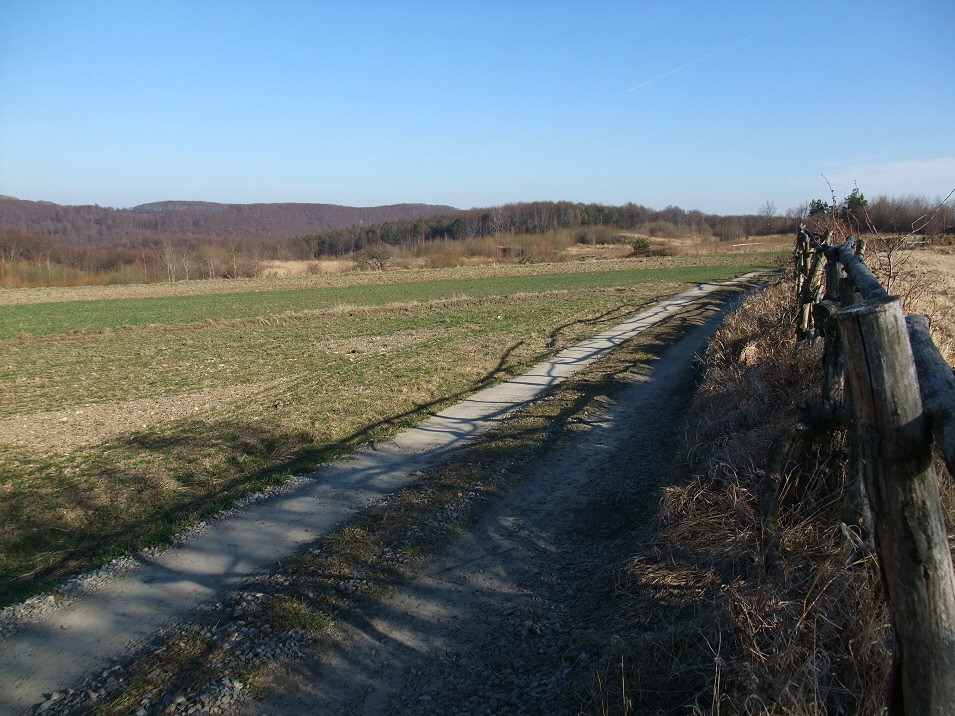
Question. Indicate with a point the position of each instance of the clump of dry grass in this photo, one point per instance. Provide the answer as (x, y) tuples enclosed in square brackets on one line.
[(756, 380), (813, 636), (925, 280)]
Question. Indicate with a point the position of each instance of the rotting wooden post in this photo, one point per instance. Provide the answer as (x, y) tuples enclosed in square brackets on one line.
[(834, 368), (848, 295), (838, 400), (865, 282), (801, 259), (810, 294), (834, 277), (937, 386), (903, 493)]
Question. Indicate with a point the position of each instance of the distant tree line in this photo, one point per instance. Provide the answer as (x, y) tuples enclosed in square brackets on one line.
[(541, 217), (884, 214), (896, 215), (31, 258), (35, 259)]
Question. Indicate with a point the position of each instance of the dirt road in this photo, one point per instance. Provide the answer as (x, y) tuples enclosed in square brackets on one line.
[(501, 622), (518, 557)]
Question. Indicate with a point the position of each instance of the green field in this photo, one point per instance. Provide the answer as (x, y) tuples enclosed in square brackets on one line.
[(59, 317), (114, 439)]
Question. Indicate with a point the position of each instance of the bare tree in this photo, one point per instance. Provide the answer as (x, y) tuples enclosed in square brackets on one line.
[(169, 260), (375, 257), (188, 263), (767, 217)]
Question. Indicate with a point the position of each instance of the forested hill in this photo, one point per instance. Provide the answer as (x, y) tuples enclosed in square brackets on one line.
[(94, 225)]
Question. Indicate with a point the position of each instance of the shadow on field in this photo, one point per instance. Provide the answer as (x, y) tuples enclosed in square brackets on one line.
[(623, 509), (159, 483)]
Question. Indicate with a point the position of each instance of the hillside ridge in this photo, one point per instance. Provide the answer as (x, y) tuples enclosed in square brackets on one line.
[(80, 225)]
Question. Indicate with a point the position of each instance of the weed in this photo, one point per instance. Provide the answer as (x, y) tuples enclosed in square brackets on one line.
[(287, 613)]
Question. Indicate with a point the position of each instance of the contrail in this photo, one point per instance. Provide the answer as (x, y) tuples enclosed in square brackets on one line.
[(715, 52)]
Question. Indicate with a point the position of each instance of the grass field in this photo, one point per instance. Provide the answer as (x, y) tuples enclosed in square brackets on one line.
[(52, 318), (126, 416)]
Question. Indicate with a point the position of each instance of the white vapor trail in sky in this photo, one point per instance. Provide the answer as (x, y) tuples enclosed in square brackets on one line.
[(716, 52)]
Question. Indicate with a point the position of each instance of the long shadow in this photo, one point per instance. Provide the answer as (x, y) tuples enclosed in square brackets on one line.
[(497, 444), (430, 635), (243, 439)]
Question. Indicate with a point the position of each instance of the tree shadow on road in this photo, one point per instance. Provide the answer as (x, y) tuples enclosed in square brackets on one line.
[(209, 465)]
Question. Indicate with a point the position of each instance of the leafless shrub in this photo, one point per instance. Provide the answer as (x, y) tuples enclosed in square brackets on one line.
[(665, 250), (890, 258), (376, 257)]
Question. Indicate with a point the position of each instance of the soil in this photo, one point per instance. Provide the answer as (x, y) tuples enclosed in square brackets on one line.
[(66, 430), (304, 268)]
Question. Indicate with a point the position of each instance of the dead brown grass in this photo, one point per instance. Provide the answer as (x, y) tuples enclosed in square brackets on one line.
[(927, 286), (708, 246), (702, 617), (815, 637), (323, 279)]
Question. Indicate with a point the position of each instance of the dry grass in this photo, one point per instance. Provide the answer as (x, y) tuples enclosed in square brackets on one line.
[(813, 638), (116, 438), (304, 281), (699, 245), (701, 618), (927, 286)]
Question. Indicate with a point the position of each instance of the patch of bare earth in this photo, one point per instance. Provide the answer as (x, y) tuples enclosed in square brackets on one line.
[(304, 268), (82, 426), (18, 296)]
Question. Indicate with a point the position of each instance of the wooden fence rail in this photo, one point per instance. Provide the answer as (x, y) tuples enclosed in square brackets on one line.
[(886, 379)]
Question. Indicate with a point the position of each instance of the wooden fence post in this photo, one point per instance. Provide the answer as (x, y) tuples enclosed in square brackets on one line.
[(859, 274), (903, 492), (937, 385), (810, 296), (834, 278)]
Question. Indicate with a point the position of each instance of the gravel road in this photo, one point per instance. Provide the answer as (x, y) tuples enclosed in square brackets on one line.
[(495, 625), (499, 623)]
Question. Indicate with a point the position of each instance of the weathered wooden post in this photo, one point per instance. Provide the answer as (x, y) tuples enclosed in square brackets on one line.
[(834, 278), (903, 492), (937, 385), (864, 282), (801, 258), (811, 294), (833, 364)]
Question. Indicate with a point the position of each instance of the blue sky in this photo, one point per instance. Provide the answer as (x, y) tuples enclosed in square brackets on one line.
[(717, 106)]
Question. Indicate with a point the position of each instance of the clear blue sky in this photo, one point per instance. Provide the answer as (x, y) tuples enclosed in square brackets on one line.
[(717, 106)]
